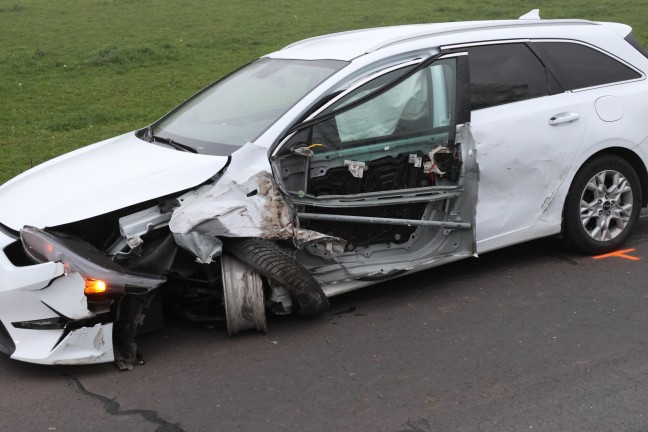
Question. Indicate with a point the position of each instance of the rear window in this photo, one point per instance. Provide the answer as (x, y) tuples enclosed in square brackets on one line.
[(577, 66)]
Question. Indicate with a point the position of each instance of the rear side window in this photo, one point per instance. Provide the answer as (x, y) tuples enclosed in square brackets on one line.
[(501, 74), (577, 66)]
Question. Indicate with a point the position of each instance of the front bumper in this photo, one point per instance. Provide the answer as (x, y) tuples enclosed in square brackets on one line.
[(33, 293)]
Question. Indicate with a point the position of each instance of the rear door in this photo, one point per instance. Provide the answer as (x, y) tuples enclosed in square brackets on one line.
[(530, 121)]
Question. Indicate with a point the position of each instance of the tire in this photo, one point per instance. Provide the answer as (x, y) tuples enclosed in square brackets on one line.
[(268, 258), (602, 206)]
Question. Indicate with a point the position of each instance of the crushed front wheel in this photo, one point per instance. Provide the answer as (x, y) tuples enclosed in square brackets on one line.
[(268, 258)]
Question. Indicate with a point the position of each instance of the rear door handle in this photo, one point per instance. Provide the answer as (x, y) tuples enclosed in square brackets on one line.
[(565, 117)]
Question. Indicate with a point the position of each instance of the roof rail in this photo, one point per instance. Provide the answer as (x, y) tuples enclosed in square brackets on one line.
[(477, 26)]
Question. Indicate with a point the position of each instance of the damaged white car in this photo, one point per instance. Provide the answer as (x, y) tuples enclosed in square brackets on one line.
[(332, 164)]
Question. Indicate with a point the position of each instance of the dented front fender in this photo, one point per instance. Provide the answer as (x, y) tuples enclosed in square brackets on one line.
[(244, 202)]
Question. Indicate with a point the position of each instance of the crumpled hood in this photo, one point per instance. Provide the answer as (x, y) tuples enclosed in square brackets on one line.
[(100, 178)]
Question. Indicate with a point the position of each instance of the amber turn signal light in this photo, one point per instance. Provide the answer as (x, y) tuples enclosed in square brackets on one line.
[(94, 286)]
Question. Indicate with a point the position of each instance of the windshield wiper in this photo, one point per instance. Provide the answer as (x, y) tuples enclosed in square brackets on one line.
[(170, 142)]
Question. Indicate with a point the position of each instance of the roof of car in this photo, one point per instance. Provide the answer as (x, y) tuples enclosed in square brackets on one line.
[(352, 44)]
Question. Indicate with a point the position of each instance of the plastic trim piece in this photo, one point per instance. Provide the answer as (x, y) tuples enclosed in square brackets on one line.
[(7, 345), (9, 232)]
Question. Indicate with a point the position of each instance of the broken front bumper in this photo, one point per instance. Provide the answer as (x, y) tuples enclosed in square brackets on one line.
[(44, 316)]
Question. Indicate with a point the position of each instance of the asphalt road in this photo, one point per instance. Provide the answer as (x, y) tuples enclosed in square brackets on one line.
[(528, 338)]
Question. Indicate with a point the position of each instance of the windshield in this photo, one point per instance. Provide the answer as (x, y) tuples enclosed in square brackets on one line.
[(241, 106)]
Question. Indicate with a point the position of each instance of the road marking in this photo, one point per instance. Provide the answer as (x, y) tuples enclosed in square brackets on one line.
[(619, 254)]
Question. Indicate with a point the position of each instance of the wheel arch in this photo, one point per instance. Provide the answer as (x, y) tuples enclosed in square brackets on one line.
[(633, 159), (573, 236)]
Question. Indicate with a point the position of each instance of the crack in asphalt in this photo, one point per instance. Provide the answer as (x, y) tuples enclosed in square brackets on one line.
[(567, 260), (342, 312), (112, 407), (420, 425)]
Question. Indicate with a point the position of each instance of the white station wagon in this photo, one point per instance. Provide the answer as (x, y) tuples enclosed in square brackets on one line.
[(332, 164)]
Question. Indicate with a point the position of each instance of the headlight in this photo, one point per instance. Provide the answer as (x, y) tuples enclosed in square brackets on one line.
[(99, 271)]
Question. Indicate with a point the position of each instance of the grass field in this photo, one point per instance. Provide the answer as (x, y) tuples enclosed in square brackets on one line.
[(77, 71)]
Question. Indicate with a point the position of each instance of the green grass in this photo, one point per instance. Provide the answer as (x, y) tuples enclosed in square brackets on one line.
[(74, 72)]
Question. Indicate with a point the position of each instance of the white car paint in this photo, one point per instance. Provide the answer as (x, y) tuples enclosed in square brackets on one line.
[(518, 200), (535, 219), (103, 177), (36, 292)]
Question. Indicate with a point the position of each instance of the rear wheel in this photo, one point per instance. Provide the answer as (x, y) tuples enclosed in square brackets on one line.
[(602, 206)]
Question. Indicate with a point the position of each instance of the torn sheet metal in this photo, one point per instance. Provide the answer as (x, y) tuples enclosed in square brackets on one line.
[(326, 245), (244, 202), (203, 246)]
